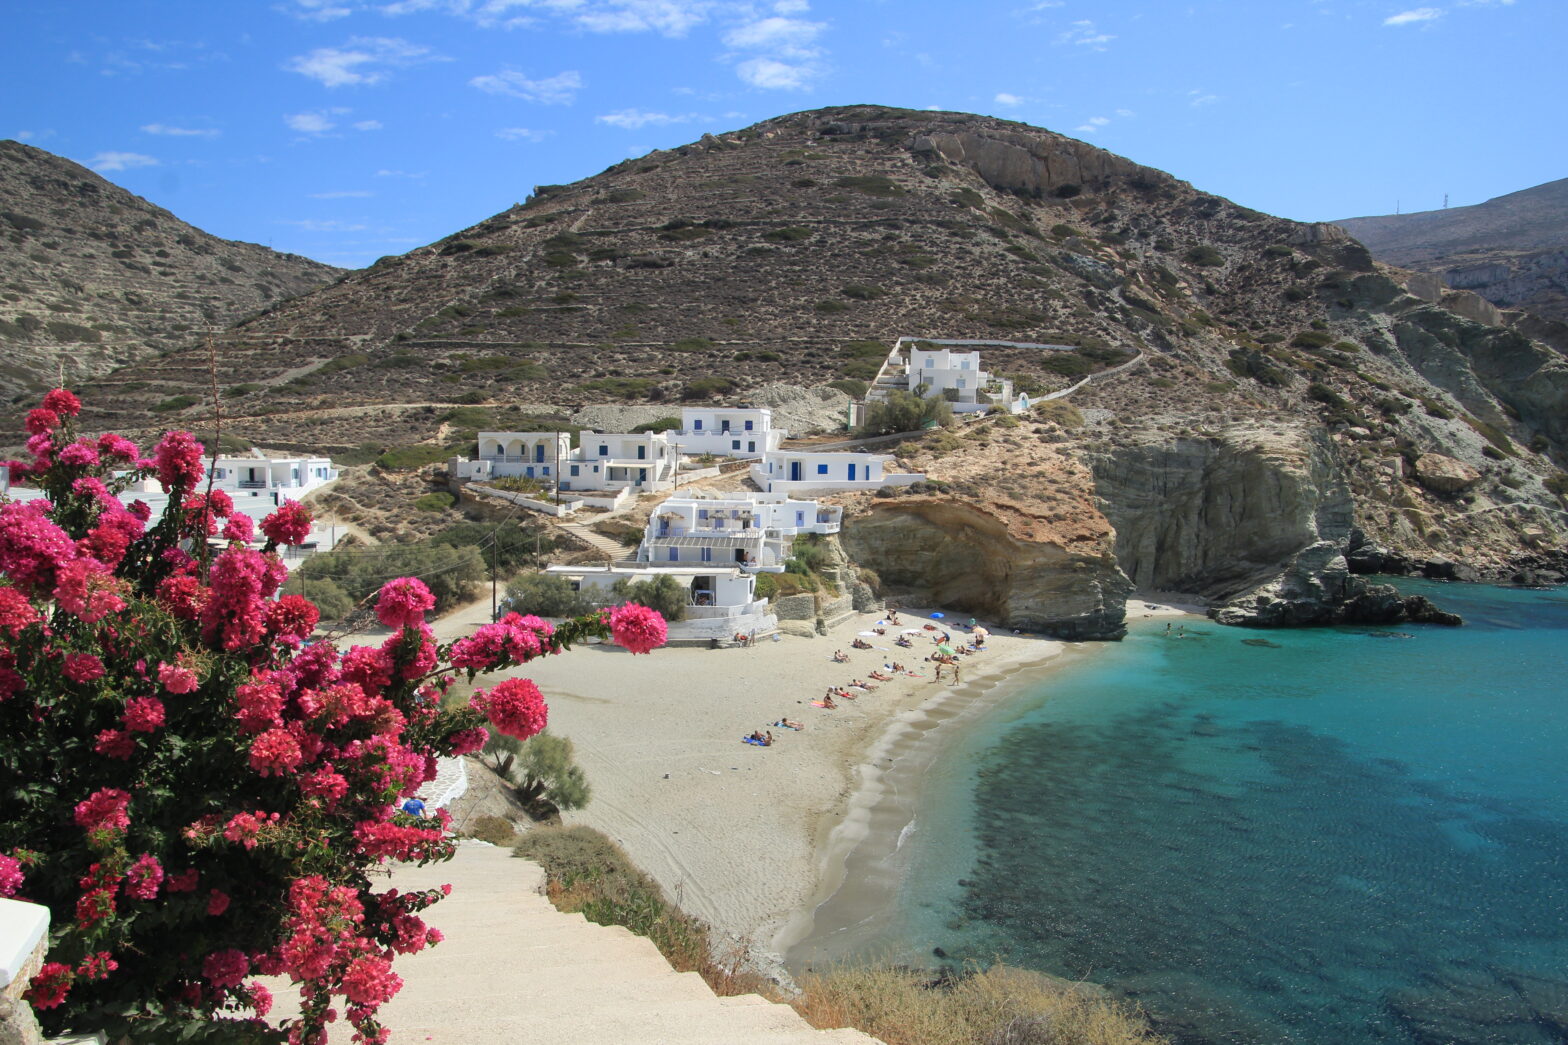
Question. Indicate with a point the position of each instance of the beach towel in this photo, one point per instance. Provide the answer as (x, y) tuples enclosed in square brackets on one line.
[(818, 704)]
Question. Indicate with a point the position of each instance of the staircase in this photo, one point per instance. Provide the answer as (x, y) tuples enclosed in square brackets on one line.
[(515, 971), (613, 550)]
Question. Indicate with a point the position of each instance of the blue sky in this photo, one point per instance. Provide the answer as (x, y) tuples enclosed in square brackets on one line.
[(349, 129)]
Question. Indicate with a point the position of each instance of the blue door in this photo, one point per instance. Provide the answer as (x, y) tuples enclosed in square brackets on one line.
[(851, 473), (794, 471), (539, 454)]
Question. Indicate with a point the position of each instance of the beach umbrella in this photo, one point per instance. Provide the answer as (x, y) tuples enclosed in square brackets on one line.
[(938, 616), (945, 649)]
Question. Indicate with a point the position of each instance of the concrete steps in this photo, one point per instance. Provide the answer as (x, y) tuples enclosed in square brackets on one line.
[(514, 970), (613, 549)]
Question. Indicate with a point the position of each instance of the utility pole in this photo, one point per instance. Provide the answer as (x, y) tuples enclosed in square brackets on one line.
[(495, 568)]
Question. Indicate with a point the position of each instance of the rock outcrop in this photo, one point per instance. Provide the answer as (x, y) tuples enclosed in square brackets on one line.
[(973, 558), (1445, 475), (1318, 588)]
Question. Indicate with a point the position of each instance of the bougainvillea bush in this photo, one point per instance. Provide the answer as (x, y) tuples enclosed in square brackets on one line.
[(194, 788)]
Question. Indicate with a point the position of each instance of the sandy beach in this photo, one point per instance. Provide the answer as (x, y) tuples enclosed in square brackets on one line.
[(752, 839)]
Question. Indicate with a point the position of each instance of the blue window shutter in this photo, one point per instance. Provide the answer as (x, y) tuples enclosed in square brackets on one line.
[(822, 469)]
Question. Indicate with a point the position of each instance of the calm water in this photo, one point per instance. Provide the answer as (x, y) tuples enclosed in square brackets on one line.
[(1348, 835)]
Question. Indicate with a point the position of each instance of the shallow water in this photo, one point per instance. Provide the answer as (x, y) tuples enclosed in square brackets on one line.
[(1343, 835)]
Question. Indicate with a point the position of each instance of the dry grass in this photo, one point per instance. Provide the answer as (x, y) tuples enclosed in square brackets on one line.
[(995, 1006)]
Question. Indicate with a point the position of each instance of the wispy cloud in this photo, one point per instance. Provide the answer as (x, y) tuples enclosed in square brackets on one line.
[(634, 119), (1092, 124), (552, 90), (785, 52), (180, 132), (347, 194), (28, 136), (121, 161), (1082, 33), (319, 10), (1414, 16), (312, 225), (1009, 100), (1198, 98), (665, 17), (321, 122), (362, 62), (367, 125), (522, 134), (413, 175)]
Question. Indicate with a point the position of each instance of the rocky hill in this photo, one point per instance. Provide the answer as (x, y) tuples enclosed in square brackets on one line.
[(1292, 399), (93, 277), (1512, 250)]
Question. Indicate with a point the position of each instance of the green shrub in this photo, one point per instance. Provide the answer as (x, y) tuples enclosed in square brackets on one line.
[(663, 424), (410, 458), (1204, 256), (662, 593), (831, 307), (692, 344), (707, 387), (788, 234), (906, 412), (179, 402), (619, 387), (1492, 434), (494, 829), (863, 292), (850, 387), (871, 185), (1312, 339), (435, 501), (452, 574), (860, 369), (243, 390), (546, 595)]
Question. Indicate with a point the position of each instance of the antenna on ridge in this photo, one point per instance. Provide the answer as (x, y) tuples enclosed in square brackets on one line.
[(1445, 201)]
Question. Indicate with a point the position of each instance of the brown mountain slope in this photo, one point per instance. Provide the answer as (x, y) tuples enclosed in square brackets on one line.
[(1512, 250), (1288, 391), (93, 277)]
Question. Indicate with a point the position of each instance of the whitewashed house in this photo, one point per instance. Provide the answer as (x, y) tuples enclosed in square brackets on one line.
[(721, 599), (806, 471), (727, 431), (527, 455), (284, 477), (620, 460), (927, 368), (754, 531)]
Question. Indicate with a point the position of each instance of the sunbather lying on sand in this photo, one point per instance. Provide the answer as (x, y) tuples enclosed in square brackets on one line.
[(785, 723), (861, 684), (861, 644), (881, 677)]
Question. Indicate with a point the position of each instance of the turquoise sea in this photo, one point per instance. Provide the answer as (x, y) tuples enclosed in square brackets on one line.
[(1348, 835)]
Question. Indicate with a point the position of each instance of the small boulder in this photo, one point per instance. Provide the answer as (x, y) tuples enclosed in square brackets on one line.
[(1445, 475)]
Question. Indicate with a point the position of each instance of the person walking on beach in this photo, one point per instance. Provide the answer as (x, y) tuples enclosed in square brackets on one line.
[(955, 672)]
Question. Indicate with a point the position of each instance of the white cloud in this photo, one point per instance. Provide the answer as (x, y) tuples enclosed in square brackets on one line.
[(1082, 33), (1485, 3), (311, 225), (121, 161), (311, 122), (179, 132), (771, 74), (785, 37), (633, 119), (1415, 16), (521, 134), (367, 125), (414, 175), (1003, 98), (319, 10), (795, 7), (553, 90), (1199, 98), (666, 17), (1092, 124), (362, 61), (1125, 113), (350, 194)]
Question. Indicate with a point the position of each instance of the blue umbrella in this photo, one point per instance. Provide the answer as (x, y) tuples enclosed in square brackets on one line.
[(938, 616)]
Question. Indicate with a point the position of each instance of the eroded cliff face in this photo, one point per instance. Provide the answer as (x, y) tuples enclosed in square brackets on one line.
[(1217, 514), (992, 560)]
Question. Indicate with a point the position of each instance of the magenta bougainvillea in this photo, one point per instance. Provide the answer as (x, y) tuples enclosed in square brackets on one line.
[(194, 788)]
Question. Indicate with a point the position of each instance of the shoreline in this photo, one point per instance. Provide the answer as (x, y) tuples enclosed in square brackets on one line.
[(752, 839)]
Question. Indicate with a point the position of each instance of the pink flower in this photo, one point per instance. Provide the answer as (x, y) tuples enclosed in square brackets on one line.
[(42, 421), (467, 741), (176, 678), (293, 617), (48, 989), (370, 980), (403, 602), (32, 549), (104, 808), (143, 714), (144, 877), (10, 875), (16, 613), (515, 707), (227, 968), (290, 524), (512, 638), (260, 998), (184, 881), (324, 783), (115, 743), (217, 902), (275, 752), (637, 628), (260, 706), (62, 401), (97, 966), (80, 454), (240, 527), (82, 667), (178, 460), (117, 446)]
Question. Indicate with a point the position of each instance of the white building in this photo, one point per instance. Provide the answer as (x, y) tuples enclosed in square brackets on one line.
[(727, 431), (928, 369), (620, 460), (721, 600), (282, 477), (528, 455), (754, 532), (806, 471)]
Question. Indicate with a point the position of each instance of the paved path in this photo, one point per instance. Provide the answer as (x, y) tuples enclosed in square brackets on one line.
[(515, 971)]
